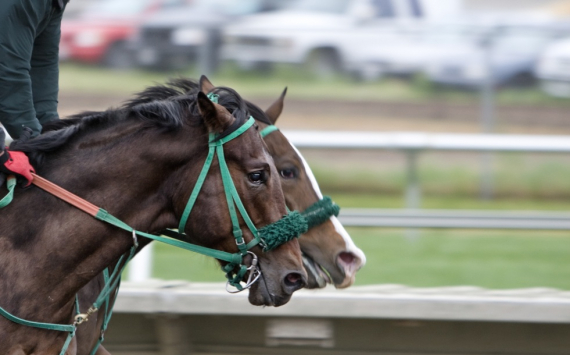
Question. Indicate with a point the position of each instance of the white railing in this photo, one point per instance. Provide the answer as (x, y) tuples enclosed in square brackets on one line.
[(418, 141)]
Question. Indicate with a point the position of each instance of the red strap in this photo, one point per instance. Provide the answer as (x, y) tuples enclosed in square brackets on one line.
[(65, 195)]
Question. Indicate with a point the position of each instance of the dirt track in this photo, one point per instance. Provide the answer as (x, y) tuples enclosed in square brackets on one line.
[(380, 116)]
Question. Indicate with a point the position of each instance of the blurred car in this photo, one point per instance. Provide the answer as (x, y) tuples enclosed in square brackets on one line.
[(553, 69), (318, 34), (174, 38), (511, 57), (397, 50), (309, 32), (407, 50), (99, 33)]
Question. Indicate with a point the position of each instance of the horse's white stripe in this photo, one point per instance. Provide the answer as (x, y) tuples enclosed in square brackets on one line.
[(350, 246)]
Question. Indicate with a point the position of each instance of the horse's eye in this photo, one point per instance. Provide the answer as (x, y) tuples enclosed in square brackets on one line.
[(288, 173), (257, 177)]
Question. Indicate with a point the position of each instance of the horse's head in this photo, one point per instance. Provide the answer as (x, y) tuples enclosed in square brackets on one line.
[(252, 172), (329, 254)]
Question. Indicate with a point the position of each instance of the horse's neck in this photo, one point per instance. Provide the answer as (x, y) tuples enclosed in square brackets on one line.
[(49, 250)]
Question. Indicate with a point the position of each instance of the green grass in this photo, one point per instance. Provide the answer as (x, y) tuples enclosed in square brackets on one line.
[(173, 263), (490, 259)]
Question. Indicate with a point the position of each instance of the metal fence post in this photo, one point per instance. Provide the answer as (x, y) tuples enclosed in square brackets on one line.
[(413, 194), (208, 54), (140, 268), (487, 115)]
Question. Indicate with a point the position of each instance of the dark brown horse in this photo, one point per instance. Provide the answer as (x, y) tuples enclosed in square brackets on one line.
[(140, 164), (329, 254)]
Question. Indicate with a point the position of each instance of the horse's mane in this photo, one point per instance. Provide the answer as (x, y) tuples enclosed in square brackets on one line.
[(184, 86), (160, 107)]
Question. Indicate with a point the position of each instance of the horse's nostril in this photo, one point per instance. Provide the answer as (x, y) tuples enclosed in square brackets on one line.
[(294, 281), (293, 278), (346, 257)]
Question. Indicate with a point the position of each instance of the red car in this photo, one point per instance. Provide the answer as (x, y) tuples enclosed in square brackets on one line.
[(99, 33)]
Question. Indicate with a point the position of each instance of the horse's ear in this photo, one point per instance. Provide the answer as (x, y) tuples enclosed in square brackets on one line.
[(274, 111), (205, 84), (216, 117)]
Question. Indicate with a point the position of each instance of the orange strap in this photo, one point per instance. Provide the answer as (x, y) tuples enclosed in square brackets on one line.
[(65, 195)]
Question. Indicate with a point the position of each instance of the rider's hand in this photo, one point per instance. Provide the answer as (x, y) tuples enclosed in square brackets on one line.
[(16, 163)]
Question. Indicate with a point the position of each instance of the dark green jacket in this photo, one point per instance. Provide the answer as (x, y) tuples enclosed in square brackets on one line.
[(29, 68)]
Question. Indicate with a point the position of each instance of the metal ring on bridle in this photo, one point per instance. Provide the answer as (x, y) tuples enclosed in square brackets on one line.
[(254, 275), (135, 239)]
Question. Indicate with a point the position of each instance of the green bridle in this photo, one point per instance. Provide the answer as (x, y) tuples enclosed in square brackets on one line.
[(290, 226)]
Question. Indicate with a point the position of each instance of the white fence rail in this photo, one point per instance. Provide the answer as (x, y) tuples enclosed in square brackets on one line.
[(418, 141), (413, 143), (472, 219)]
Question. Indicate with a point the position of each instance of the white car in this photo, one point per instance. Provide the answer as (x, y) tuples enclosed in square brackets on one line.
[(553, 69), (320, 34), (395, 52)]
